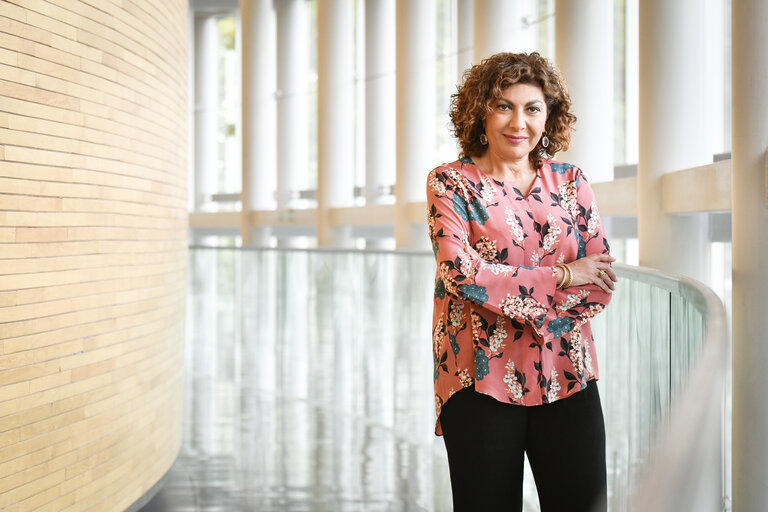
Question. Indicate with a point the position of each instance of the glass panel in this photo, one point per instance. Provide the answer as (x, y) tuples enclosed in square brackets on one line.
[(309, 383)]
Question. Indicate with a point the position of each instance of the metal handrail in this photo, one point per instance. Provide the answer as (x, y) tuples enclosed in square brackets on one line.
[(672, 477)]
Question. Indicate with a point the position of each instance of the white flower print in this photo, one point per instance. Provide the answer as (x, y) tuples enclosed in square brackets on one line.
[(486, 248), (568, 198), (496, 268), (573, 300), (593, 310), (476, 325), (488, 193), (437, 185), (496, 342), (593, 219), (445, 275), (554, 386), (575, 354), (521, 307), (437, 337), (457, 314), (431, 224), (465, 378), (588, 359), (550, 240), (466, 264), (535, 259), (460, 182), (518, 235), (514, 387)]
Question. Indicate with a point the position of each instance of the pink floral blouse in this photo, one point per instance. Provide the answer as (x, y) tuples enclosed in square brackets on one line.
[(500, 322)]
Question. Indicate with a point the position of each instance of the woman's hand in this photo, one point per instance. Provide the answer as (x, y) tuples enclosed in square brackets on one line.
[(594, 269)]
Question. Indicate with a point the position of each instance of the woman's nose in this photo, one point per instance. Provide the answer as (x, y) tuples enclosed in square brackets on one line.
[(517, 120)]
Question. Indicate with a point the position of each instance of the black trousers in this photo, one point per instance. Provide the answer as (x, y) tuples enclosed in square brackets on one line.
[(565, 442)]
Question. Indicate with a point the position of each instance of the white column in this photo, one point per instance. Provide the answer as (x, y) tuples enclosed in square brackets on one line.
[(750, 246), (584, 53), (292, 108), (336, 122), (380, 104), (464, 36), (379, 98), (257, 28), (716, 51), (631, 81), (206, 107), (674, 132), (495, 24), (498, 27), (416, 32)]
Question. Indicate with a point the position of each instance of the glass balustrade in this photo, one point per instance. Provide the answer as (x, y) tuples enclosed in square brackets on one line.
[(309, 378)]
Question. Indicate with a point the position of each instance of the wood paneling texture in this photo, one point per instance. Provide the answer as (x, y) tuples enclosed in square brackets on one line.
[(93, 164)]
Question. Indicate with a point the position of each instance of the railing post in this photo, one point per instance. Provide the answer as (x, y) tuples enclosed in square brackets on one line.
[(750, 245)]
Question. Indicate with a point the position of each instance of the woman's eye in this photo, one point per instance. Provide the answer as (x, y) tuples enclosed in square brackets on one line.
[(503, 106), (535, 110)]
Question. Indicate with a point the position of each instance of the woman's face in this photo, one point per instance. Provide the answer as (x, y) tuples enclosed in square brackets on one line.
[(516, 122)]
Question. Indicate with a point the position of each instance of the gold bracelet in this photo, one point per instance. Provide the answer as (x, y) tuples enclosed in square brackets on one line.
[(567, 275), (570, 277)]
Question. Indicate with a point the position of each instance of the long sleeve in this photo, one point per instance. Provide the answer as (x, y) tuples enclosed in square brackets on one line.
[(578, 304), (499, 322), (527, 293)]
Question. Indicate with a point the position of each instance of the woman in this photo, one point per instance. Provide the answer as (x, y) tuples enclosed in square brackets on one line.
[(523, 264)]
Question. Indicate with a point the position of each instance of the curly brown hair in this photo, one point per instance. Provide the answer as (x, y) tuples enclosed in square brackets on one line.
[(484, 83)]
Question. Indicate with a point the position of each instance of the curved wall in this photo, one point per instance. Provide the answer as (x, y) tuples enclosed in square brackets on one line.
[(93, 133)]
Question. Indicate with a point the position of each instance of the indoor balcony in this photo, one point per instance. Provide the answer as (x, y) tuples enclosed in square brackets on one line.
[(309, 387)]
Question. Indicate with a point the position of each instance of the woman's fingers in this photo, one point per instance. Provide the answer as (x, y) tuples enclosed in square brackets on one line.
[(595, 269), (604, 282), (605, 279), (602, 257), (606, 273)]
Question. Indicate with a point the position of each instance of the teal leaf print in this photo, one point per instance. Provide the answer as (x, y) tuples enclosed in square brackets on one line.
[(460, 207), (440, 365), (466, 160), (481, 364), (440, 289), (561, 168), (582, 252), (454, 344), (560, 326), (474, 292), (474, 210), (477, 211)]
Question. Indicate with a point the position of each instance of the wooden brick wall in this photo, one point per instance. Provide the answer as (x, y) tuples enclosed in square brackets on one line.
[(93, 161)]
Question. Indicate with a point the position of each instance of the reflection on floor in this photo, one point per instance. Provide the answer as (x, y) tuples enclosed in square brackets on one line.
[(308, 386), (386, 474)]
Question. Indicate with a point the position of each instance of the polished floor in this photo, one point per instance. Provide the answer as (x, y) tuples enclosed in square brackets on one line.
[(308, 387), (262, 479)]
